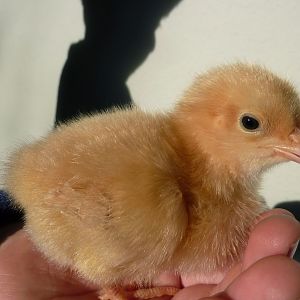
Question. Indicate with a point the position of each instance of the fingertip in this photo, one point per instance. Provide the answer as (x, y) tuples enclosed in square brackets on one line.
[(274, 212), (273, 235)]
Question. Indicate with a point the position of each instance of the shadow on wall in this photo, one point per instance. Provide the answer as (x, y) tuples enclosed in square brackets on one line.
[(119, 36)]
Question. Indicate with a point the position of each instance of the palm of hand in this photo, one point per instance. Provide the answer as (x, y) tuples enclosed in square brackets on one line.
[(25, 274)]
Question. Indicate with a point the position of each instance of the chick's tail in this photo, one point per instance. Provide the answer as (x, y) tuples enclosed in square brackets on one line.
[(24, 177)]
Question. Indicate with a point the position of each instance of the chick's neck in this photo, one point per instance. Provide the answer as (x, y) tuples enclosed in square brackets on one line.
[(220, 179)]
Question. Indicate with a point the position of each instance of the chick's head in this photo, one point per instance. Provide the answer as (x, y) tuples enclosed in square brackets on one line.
[(242, 117)]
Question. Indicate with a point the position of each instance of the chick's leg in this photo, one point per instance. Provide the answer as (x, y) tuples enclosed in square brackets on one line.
[(155, 292), (112, 294), (149, 293)]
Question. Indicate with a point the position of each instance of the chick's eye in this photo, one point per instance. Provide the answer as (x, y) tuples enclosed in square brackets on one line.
[(250, 123)]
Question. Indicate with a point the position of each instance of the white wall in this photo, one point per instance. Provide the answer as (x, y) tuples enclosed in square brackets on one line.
[(34, 40), (35, 35)]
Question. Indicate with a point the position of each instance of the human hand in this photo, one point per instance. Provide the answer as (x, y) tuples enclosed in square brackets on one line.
[(26, 275), (266, 271)]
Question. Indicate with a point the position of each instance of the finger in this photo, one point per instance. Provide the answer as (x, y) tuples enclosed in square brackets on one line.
[(274, 277), (233, 273), (274, 235), (273, 212), (266, 240)]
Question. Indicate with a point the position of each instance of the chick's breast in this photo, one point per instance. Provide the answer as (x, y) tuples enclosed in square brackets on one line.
[(101, 195)]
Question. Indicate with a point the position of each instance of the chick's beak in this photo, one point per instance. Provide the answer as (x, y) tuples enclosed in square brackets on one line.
[(291, 151)]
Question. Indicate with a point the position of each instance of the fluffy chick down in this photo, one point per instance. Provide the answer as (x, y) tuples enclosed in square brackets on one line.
[(123, 196)]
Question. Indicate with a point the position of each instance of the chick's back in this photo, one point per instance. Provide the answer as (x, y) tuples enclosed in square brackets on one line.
[(102, 195)]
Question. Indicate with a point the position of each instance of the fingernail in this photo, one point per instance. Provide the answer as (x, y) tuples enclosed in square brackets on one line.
[(293, 249)]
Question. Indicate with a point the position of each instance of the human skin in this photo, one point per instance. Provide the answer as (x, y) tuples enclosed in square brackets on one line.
[(266, 270)]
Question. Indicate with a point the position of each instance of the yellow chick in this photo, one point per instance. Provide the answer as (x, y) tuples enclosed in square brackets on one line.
[(123, 196)]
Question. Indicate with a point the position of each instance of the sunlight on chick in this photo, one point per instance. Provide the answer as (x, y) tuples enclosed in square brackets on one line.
[(124, 196)]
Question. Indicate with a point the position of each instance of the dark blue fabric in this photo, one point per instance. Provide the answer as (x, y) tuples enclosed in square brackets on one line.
[(4, 201), (8, 214)]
